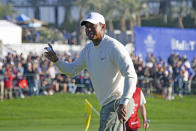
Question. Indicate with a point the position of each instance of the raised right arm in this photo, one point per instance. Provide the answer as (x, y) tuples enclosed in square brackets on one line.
[(70, 69)]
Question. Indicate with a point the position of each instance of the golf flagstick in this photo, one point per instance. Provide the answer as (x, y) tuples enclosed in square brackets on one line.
[(88, 110)]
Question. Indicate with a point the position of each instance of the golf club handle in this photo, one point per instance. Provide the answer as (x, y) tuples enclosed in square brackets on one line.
[(124, 128)]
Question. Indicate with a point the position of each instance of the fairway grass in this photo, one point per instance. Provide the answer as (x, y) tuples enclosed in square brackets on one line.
[(65, 112)]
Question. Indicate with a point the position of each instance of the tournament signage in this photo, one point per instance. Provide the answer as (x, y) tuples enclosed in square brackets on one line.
[(164, 41)]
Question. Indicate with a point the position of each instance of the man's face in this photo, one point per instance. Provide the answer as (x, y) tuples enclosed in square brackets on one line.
[(93, 31)]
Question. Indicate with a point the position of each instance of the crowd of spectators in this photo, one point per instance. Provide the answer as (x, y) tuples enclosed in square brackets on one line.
[(31, 36), (169, 78), (35, 75)]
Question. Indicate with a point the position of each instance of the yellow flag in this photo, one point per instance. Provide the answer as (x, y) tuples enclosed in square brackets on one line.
[(88, 110)]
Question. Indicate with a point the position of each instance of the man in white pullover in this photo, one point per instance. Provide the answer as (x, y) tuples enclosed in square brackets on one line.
[(111, 71)]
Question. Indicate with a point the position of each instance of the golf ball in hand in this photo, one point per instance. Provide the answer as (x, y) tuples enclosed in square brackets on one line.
[(48, 49)]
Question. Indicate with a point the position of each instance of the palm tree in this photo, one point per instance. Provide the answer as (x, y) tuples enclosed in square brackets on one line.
[(36, 5), (194, 4), (193, 11), (109, 9), (67, 4), (80, 31), (180, 10), (123, 12), (164, 9), (94, 5), (139, 8), (6, 10), (132, 10), (85, 6)]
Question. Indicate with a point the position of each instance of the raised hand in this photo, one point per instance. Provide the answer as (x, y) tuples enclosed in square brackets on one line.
[(50, 54)]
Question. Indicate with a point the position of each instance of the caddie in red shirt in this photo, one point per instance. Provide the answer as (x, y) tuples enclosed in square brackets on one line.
[(134, 122)]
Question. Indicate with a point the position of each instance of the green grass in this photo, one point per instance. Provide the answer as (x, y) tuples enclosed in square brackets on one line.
[(65, 112)]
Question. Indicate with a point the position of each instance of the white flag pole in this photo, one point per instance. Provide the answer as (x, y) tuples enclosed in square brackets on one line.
[(95, 111)]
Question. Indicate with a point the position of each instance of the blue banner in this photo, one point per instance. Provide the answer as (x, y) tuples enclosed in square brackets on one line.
[(164, 41)]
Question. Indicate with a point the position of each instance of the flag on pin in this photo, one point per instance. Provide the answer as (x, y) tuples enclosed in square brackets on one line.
[(88, 111)]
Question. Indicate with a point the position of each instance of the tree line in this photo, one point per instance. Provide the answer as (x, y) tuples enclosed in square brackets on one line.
[(127, 13)]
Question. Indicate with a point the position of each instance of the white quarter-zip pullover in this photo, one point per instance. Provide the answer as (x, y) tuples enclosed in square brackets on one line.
[(110, 67)]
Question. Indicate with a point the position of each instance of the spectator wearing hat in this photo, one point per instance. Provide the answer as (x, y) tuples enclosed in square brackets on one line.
[(133, 124), (166, 81), (191, 73), (30, 75), (185, 77), (177, 75)]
